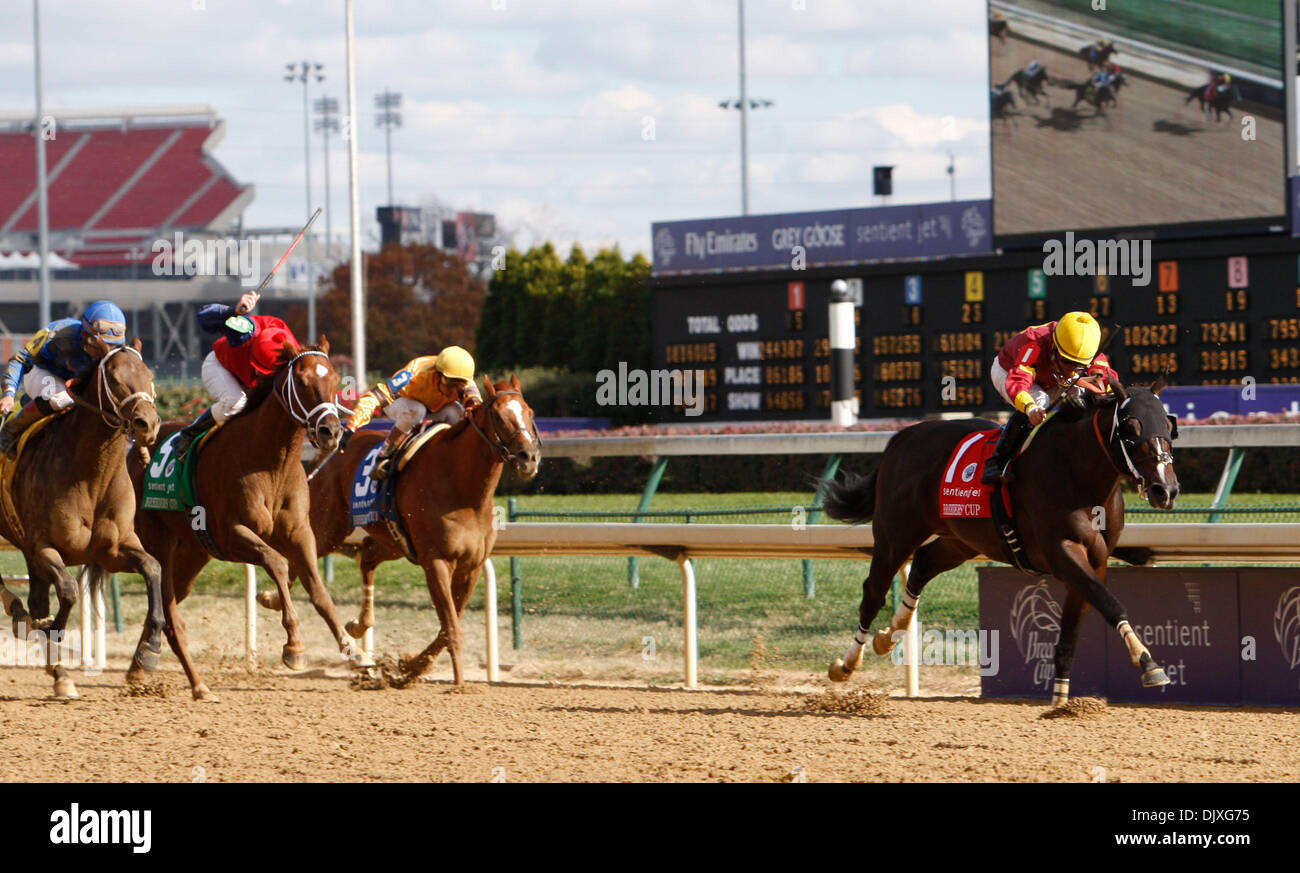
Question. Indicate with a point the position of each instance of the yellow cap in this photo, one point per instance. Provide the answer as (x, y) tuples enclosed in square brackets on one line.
[(1077, 336), (456, 363)]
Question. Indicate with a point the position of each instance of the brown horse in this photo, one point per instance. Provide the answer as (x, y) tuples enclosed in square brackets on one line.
[(74, 504), (253, 494), (1066, 481), (444, 497)]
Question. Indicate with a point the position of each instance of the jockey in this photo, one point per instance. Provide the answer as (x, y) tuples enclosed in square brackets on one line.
[(248, 349), (65, 351), (1034, 68), (1030, 371), (442, 384)]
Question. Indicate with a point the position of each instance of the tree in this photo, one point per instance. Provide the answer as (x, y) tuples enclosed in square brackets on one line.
[(419, 300)]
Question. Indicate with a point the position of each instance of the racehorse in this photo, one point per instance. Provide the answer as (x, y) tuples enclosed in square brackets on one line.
[(998, 26), (252, 494), (1030, 84), (1097, 56), (1087, 92), (1215, 98), (1002, 100), (1067, 479), (444, 497), (72, 503)]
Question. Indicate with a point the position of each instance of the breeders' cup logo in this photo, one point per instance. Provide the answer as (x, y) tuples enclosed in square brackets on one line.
[(1286, 625), (972, 224), (968, 473), (665, 247), (1036, 626)]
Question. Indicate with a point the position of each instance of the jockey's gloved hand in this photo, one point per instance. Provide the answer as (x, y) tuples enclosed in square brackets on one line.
[(1036, 415), (345, 437)]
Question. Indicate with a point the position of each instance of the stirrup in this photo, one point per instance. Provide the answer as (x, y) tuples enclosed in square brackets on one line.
[(383, 467)]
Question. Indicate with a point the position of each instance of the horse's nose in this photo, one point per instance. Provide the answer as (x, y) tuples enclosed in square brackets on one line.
[(1160, 497)]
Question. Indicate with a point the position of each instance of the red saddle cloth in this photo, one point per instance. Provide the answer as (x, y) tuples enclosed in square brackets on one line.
[(960, 493)]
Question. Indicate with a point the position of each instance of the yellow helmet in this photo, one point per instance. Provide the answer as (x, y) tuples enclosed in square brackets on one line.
[(1077, 336), (456, 363)]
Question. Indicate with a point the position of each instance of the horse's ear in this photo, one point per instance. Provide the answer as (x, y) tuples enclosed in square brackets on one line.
[(324, 344), (288, 351), (489, 390), (137, 345), (1173, 427), (1118, 388), (514, 382), (1159, 385)]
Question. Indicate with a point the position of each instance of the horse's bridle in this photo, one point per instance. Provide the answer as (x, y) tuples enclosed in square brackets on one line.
[(500, 445), (104, 390), (287, 393), (1119, 444)]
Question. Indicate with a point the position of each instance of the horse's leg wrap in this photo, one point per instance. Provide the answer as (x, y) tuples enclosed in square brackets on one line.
[(887, 638), (842, 668), (1153, 675), (1060, 692)]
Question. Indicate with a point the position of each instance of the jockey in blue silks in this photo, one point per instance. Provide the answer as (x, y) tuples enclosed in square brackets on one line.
[(68, 349)]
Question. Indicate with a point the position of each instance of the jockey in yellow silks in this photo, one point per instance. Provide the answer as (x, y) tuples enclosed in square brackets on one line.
[(440, 386)]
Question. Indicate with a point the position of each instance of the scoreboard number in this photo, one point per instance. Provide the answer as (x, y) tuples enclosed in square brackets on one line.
[(975, 287), (1168, 282), (1238, 274)]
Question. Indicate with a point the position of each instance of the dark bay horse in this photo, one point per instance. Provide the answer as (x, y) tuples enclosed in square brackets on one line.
[(253, 500), (74, 504), (1097, 54), (1066, 480), (445, 499), (1214, 98)]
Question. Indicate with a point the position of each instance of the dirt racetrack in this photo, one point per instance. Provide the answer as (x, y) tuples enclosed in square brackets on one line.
[(276, 727), (1150, 160)]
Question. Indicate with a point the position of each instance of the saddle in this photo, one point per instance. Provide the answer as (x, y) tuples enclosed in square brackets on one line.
[(376, 502)]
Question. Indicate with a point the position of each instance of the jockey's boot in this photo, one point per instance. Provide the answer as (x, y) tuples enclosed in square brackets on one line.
[(30, 414), (190, 432), (384, 463), (1012, 434)]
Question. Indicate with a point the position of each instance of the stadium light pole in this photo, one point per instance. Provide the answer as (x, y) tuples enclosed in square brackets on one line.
[(354, 198), (328, 110), (744, 104), (389, 116), (42, 180), (303, 72)]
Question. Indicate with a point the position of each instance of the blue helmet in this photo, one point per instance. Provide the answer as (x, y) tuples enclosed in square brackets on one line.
[(106, 321)]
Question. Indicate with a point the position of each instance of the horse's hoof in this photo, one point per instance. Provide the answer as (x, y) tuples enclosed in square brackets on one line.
[(293, 660), (269, 599), (883, 642), (1154, 678), (839, 671), (355, 629), (146, 659), (64, 688), (203, 694)]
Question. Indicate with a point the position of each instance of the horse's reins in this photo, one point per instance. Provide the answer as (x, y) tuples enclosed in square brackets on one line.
[(287, 393), (500, 446), (103, 389)]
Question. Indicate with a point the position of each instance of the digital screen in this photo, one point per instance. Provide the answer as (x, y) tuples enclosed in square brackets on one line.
[(925, 339), (1157, 112)]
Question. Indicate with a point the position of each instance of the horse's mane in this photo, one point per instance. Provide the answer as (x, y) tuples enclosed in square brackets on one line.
[(266, 384)]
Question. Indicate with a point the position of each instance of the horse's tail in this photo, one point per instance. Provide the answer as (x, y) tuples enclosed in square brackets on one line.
[(853, 500)]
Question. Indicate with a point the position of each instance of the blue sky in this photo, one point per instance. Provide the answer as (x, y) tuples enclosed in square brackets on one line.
[(536, 110)]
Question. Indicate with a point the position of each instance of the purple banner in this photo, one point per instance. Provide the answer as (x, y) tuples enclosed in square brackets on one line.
[(1224, 635), (1205, 401), (844, 236)]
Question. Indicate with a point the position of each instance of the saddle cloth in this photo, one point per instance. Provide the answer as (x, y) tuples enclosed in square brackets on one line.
[(373, 501), (169, 484), (960, 493)]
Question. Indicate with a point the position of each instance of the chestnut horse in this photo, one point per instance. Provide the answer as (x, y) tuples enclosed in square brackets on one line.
[(444, 497), (74, 503), (1073, 468), (253, 494)]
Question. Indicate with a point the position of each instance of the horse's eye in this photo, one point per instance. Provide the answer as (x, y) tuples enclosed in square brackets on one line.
[(1133, 427)]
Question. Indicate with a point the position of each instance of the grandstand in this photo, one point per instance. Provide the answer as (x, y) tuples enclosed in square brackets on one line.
[(119, 181)]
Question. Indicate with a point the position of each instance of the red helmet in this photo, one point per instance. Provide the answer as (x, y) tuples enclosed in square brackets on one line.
[(267, 346)]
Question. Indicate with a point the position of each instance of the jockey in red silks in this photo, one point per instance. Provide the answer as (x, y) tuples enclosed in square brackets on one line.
[(1032, 368), (249, 348)]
